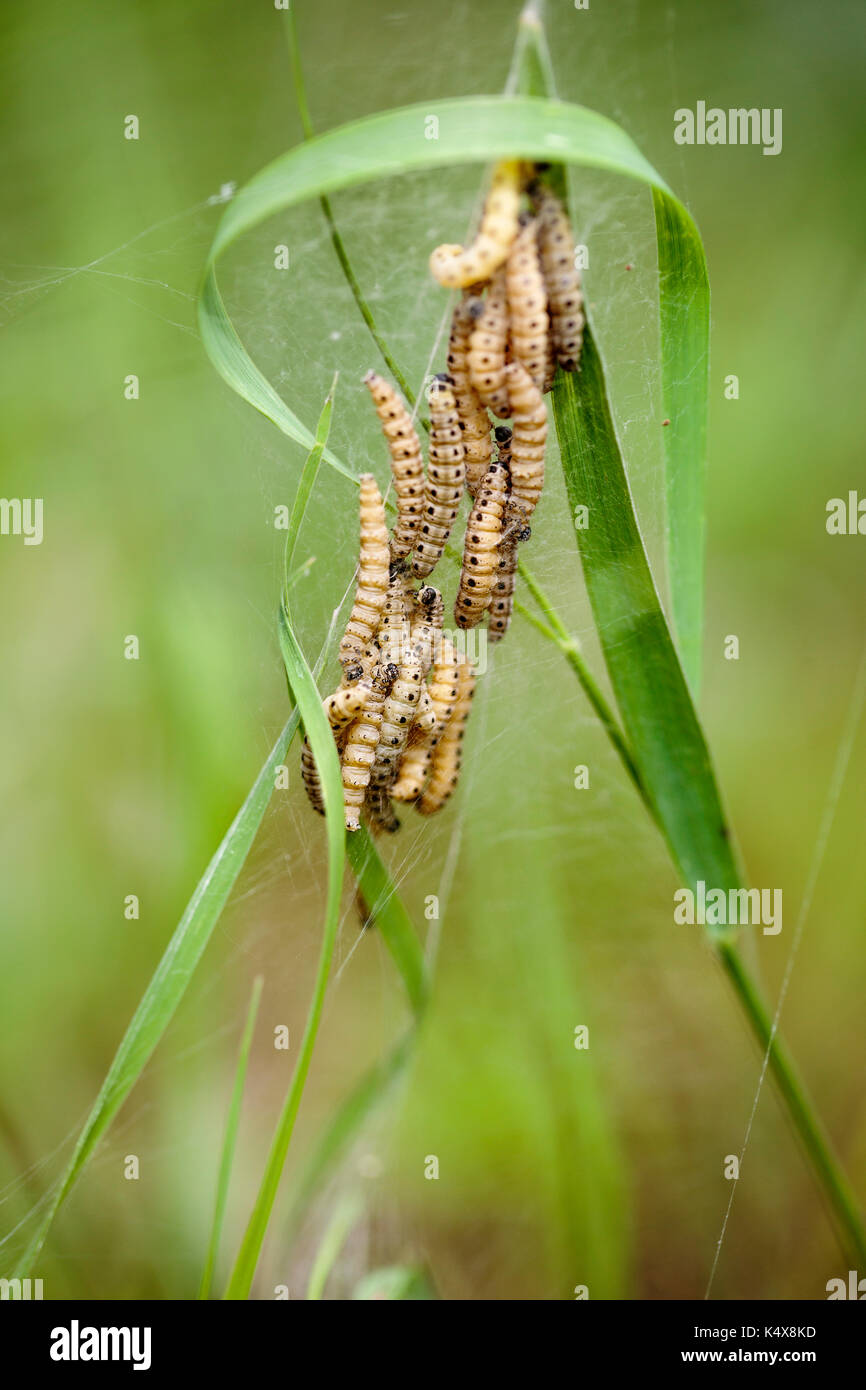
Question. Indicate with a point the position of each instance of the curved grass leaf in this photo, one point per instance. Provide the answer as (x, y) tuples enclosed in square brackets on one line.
[(170, 980), (480, 129), (230, 1139)]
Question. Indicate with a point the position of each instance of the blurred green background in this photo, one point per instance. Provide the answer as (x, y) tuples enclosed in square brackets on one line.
[(558, 1167)]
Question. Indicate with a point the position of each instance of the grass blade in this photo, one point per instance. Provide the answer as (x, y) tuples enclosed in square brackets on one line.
[(230, 1139), (659, 719), (170, 980), (389, 915)]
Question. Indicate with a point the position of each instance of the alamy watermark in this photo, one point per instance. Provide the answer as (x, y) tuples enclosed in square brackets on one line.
[(714, 907), (22, 516), (740, 125)]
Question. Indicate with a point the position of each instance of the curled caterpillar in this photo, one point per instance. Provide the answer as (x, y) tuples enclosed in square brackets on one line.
[(487, 343), (373, 574), (427, 624), (362, 740), (455, 267), (474, 419), (445, 477), (443, 689), (561, 276), (481, 548), (341, 708), (445, 763), (514, 532), (407, 463), (527, 304), (529, 435)]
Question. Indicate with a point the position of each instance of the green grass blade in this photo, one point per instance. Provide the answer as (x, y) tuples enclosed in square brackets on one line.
[(230, 1139), (389, 915), (658, 716), (304, 491), (344, 1218), (170, 980)]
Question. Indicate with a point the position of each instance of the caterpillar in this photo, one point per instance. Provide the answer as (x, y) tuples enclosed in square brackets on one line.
[(455, 267), (474, 419), (487, 344), (341, 708), (514, 532), (425, 719), (362, 739), (529, 434), (527, 304), (446, 473), (407, 463), (373, 574), (394, 626), (443, 689), (427, 624), (447, 755), (561, 276), (481, 548), (398, 716)]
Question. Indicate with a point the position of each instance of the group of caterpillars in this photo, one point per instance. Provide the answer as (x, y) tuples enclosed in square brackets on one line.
[(400, 711)]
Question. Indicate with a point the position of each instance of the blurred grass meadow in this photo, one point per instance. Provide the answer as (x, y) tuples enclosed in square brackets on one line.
[(558, 1167)]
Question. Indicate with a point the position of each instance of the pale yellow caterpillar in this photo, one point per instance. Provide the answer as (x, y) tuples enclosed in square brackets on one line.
[(427, 624), (446, 473), (455, 267), (529, 435), (341, 708), (481, 548), (474, 419), (443, 688), (561, 277), (487, 343), (394, 627), (528, 324), (362, 739), (373, 574), (445, 763), (407, 463), (425, 719), (514, 532)]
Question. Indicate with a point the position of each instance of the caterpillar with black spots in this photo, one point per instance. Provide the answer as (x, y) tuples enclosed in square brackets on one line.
[(407, 462), (561, 277), (446, 472), (447, 755), (481, 547), (529, 436), (373, 574)]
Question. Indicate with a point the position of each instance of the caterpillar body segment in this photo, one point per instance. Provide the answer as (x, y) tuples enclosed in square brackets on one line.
[(527, 304), (407, 462), (474, 419), (447, 754), (529, 436), (456, 267), (443, 690), (488, 341), (561, 277), (373, 574), (425, 719), (310, 778), (362, 740), (446, 472), (481, 548), (514, 532)]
